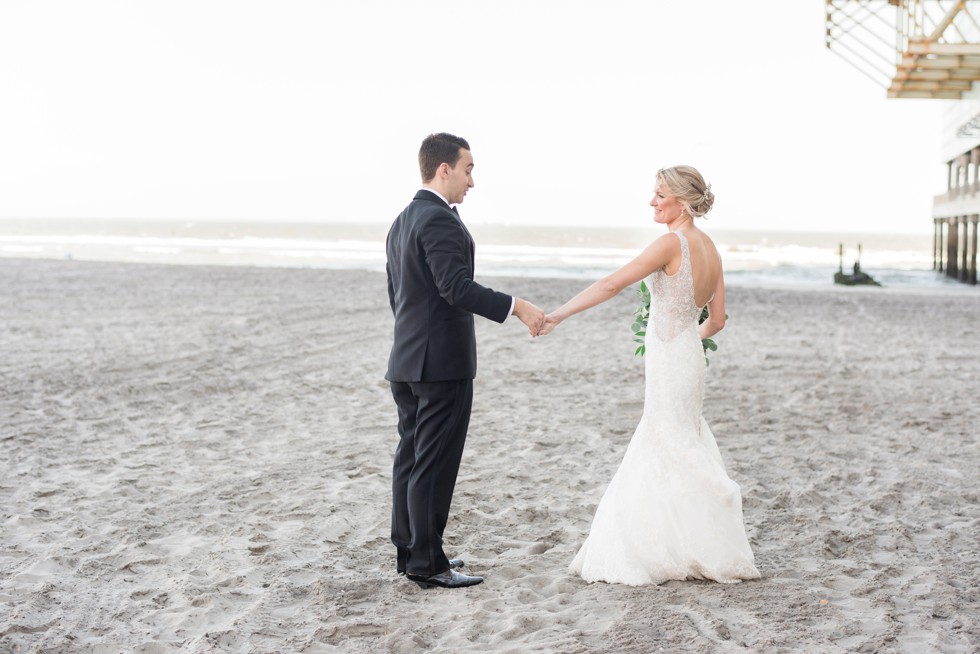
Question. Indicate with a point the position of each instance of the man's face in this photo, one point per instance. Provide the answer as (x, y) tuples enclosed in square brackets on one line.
[(460, 178)]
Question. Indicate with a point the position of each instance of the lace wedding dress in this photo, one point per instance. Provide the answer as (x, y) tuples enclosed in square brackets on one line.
[(670, 511)]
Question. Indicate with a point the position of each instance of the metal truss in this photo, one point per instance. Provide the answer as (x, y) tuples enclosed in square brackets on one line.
[(912, 48)]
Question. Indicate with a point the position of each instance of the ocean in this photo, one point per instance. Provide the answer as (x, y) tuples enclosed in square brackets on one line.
[(758, 258)]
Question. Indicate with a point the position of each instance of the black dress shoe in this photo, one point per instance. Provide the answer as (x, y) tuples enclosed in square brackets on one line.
[(454, 564), (448, 579)]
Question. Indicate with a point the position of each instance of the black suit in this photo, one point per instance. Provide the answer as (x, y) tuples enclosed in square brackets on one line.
[(431, 369)]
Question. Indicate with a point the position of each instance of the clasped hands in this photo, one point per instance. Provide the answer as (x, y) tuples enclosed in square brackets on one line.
[(538, 324)]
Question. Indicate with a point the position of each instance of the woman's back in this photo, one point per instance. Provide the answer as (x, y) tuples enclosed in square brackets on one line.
[(705, 265)]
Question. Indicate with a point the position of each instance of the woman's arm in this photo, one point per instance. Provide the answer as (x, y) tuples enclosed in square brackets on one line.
[(656, 256), (716, 310)]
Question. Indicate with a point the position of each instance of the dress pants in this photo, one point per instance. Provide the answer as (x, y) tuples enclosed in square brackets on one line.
[(432, 421)]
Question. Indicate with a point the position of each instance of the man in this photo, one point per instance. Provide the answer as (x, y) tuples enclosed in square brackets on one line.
[(433, 357)]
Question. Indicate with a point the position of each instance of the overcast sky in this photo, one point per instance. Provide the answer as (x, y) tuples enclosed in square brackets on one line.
[(288, 110)]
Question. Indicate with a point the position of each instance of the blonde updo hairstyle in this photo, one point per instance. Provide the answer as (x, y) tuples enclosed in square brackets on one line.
[(688, 186)]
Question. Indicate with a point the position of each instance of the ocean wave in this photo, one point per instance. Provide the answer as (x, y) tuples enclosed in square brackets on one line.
[(801, 260)]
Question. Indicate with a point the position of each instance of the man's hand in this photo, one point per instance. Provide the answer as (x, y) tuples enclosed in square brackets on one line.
[(550, 322), (530, 315)]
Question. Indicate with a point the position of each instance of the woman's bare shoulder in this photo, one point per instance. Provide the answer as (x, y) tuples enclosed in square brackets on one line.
[(666, 242)]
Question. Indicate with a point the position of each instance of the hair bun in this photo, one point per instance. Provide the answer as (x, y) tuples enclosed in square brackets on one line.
[(707, 201)]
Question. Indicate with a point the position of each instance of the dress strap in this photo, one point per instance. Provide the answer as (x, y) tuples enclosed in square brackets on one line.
[(685, 252)]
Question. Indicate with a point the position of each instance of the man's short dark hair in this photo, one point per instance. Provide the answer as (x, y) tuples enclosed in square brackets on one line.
[(438, 149)]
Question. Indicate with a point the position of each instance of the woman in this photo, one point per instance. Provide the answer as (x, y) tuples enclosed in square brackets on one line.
[(670, 511)]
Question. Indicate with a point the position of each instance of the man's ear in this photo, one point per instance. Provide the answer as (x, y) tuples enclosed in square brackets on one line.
[(443, 170)]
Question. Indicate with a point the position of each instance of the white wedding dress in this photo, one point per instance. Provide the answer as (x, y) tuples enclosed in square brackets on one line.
[(670, 511)]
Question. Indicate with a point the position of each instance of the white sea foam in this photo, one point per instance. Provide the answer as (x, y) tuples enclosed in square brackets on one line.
[(781, 258)]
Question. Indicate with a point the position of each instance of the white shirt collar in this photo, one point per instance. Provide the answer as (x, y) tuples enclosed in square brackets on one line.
[(436, 193)]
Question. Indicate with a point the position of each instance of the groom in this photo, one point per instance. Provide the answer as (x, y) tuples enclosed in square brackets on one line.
[(433, 357)]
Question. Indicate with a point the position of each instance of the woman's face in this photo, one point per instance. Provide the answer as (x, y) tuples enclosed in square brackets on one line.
[(666, 207)]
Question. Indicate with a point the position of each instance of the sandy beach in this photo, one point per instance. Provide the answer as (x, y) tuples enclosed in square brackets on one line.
[(198, 459)]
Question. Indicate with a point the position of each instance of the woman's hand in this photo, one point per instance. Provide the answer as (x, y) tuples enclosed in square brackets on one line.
[(550, 322)]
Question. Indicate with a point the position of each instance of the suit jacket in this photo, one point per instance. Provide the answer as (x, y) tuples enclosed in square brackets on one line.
[(433, 296)]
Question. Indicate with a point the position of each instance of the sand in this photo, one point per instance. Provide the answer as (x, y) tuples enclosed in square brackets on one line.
[(198, 459)]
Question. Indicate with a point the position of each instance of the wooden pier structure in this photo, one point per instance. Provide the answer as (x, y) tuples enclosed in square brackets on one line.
[(956, 214), (955, 247), (927, 49)]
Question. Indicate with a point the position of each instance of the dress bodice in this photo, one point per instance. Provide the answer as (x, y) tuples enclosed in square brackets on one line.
[(672, 307)]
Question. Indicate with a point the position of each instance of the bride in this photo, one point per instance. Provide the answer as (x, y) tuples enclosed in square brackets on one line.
[(670, 511)]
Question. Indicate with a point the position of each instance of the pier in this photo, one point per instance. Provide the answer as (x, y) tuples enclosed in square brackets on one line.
[(956, 214), (930, 50), (955, 247)]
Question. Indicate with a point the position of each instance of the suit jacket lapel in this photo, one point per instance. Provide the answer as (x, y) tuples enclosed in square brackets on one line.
[(470, 236)]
